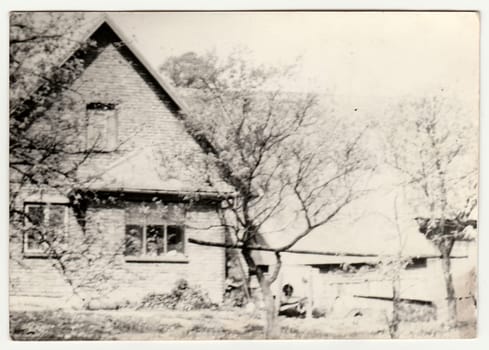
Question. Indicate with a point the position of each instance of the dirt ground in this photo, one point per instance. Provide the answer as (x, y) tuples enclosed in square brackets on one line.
[(130, 324)]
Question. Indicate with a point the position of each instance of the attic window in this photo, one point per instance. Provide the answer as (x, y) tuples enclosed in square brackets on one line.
[(101, 126), (101, 106)]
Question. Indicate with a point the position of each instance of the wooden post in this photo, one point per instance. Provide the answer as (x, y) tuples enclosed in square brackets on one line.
[(310, 293), (244, 275), (278, 291)]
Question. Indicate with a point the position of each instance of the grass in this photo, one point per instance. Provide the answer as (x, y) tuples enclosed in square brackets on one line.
[(192, 325)]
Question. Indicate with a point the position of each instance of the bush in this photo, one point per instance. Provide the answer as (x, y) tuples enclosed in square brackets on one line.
[(182, 297), (235, 297)]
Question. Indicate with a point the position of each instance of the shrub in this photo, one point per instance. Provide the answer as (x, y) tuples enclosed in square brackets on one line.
[(235, 297), (182, 297)]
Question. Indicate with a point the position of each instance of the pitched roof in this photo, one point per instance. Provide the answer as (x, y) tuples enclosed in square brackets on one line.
[(161, 81), (87, 31)]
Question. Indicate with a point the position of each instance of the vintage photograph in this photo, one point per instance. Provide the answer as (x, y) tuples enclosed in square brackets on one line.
[(243, 175)]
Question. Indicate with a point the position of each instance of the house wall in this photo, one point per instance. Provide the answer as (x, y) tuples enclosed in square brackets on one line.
[(42, 277), (205, 266), (334, 287)]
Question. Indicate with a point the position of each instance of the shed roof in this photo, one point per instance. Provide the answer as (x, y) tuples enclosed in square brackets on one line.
[(367, 228)]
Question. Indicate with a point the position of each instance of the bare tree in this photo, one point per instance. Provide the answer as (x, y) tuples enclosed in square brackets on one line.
[(43, 146), (391, 266), (433, 144), (281, 154)]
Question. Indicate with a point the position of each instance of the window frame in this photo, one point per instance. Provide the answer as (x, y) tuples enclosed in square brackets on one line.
[(110, 141), (41, 253), (144, 223)]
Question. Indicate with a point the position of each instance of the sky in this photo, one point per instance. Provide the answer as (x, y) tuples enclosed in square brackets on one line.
[(360, 57)]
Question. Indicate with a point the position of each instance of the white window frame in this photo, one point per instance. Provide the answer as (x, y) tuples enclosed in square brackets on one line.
[(111, 137), (165, 257), (46, 209)]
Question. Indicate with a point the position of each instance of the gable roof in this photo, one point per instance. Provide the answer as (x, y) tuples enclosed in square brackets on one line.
[(139, 171), (105, 19), (97, 24), (89, 32), (131, 173)]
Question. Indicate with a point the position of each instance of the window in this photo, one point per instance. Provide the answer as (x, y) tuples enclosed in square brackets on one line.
[(151, 236), (44, 225), (101, 126), (417, 263)]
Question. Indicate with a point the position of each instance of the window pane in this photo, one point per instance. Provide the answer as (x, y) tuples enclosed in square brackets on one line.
[(97, 130), (35, 215), (56, 220), (155, 244), (102, 126), (56, 215), (135, 215), (175, 238), (34, 238), (134, 240)]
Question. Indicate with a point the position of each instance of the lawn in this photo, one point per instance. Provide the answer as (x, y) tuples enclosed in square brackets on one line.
[(129, 324)]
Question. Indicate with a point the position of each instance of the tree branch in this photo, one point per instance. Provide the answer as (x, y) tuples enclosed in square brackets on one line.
[(276, 271), (306, 252)]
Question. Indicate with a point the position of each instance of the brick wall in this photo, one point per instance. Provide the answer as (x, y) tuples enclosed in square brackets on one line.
[(205, 266)]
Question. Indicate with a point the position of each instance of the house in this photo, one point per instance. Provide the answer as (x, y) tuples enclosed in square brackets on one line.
[(355, 273), (143, 193)]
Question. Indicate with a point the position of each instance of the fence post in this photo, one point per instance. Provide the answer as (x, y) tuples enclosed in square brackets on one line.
[(310, 293)]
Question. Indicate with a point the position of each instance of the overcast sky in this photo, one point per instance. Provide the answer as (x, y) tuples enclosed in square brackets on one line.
[(356, 55)]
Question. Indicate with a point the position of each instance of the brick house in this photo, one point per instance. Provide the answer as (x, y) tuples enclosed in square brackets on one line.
[(144, 192)]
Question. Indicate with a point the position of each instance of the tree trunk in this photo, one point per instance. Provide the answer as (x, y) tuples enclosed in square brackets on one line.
[(396, 306), (272, 329), (451, 300)]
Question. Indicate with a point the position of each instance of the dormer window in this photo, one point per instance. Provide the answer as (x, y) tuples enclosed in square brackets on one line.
[(101, 126)]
